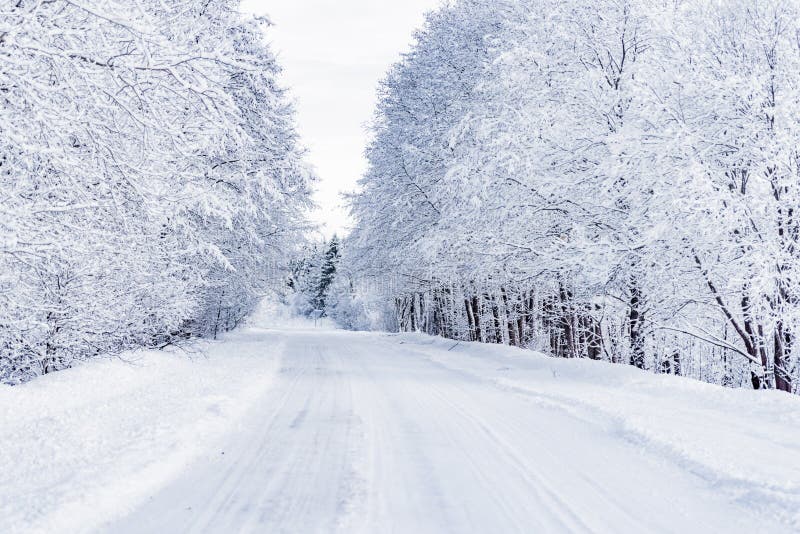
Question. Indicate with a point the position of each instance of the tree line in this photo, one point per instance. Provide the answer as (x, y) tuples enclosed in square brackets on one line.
[(151, 181), (611, 179), (312, 274)]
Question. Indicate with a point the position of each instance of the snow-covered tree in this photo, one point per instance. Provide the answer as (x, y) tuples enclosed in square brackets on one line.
[(613, 180), (313, 276), (149, 173)]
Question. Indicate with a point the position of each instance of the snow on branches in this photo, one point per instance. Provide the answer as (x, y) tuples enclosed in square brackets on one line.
[(612, 179), (150, 173)]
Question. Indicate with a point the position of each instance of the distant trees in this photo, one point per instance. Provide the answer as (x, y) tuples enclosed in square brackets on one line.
[(312, 277), (613, 180), (149, 176), (327, 274)]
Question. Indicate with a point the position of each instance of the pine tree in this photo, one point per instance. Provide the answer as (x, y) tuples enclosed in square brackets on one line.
[(327, 273)]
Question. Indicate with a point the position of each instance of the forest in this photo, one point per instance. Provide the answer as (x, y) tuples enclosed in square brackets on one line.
[(611, 179), (151, 180), (551, 286)]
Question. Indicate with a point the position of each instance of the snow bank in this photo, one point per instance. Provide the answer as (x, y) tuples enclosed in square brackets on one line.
[(746, 443), (83, 446)]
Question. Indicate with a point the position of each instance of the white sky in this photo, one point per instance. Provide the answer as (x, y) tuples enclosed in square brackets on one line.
[(334, 53)]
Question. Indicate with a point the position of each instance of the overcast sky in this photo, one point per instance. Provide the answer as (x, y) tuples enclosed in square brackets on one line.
[(334, 52)]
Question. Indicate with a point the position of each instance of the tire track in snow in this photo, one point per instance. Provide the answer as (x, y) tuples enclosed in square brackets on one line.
[(368, 436)]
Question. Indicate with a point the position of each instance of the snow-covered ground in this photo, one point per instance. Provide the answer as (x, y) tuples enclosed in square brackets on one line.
[(83, 446), (307, 429), (743, 443)]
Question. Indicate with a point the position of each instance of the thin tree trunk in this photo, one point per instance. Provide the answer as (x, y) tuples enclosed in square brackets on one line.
[(476, 314), (498, 332), (782, 354), (635, 322), (510, 323), (568, 348), (470, 320)]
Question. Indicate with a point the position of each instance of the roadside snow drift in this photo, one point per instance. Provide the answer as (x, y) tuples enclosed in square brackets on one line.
[(315, 430), (745, 443), (88, 444)]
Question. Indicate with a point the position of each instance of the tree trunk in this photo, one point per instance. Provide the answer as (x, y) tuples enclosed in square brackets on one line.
[(635, 322), (498, 332), (755, 345), (413, 313), (568, 348), (594, 338), (510, 323), (476, 314), (782, 356), (470, 320)]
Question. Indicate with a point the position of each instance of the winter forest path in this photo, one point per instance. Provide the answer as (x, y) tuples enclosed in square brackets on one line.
[(365, 433)]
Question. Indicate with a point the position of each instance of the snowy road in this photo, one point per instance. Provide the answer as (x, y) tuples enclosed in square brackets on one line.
[(365, 433)]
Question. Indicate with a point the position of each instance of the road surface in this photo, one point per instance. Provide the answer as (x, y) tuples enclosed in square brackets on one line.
[(363, 433)]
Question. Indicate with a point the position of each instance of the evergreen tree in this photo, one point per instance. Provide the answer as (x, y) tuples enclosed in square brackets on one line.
[(313, 276), (327, 273)]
